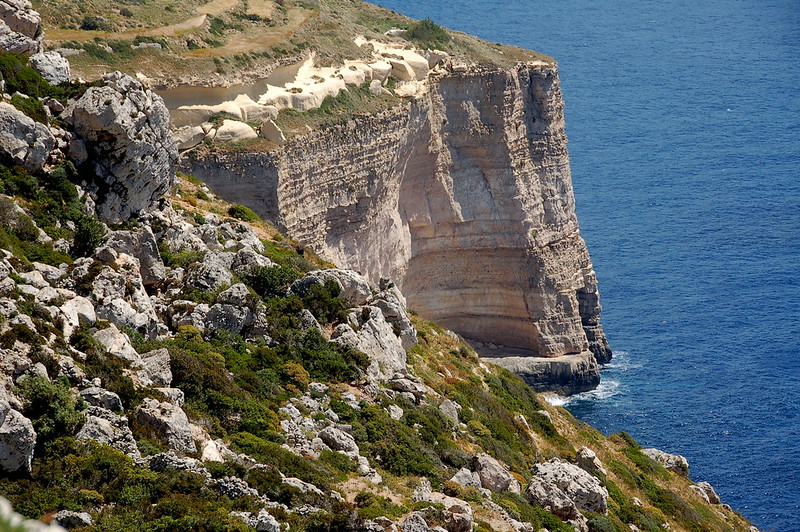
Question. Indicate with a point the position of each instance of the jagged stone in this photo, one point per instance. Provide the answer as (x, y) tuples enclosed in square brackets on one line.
[(234, 488), (120, 297), (467, 478), (140, 243), (706, 492), (20, 30), (170, 461), (108, 428), (228, 318), (415, 522), (52, 66), (235, 295), (339, 440), (125, 128), (248, 258), (393, 306), (671, 462), (375, 338), (458, 517), (450, 410), (588, 461), (101, 397), (17, 439), (118, 344), (23, 142), (581, 487), (170, 422), (308, 321), (213, 273), (354, 288), (76, 311), (156, 367), (551, 498), (493, 475)]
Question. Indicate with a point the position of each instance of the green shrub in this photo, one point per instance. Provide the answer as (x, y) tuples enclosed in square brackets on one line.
[(90, 23), (20, 77), (429, 34), (50, 408), (271, 281), (30, 107), (242, 213), (89, 235)]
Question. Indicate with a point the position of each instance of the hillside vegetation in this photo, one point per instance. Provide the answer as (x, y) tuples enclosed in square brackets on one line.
[(175, 42)]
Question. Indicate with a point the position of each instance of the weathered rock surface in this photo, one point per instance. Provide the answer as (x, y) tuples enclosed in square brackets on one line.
[(52, 66), (493, 475), (469, 206), (588, 461), (706, 492), (370, 333), (23, 142), (20, 30), (582, 488), (170, 422), (17, 439), (566, 374), (108, 428), (125, 128), (671, 462)]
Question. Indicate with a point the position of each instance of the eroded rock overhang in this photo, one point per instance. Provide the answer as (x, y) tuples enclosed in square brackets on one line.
[(463, 195)]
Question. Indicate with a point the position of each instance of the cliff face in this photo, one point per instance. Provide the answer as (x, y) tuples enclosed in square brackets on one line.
[(464, 197)]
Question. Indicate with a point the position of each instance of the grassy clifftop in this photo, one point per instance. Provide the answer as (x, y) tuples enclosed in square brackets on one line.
[(173, 41)]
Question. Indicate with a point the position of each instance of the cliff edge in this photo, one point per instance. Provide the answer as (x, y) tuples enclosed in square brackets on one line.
[(463, 195)]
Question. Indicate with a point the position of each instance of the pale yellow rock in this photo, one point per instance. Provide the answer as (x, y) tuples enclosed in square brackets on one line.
[(232, 131), (464, 198)]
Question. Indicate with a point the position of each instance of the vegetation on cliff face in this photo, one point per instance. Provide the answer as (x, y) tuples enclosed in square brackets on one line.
[(189, 369), (238, 390)]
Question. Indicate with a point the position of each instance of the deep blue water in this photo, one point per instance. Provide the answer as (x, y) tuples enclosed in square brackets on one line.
[(684, 127)]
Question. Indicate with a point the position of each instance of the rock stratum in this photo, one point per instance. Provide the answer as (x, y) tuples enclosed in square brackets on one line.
[(464, 196)]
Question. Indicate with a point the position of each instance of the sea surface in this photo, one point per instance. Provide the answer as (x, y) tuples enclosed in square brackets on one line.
[(684, 125)]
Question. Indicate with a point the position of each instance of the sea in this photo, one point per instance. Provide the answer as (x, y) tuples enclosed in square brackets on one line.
[(683, 120)]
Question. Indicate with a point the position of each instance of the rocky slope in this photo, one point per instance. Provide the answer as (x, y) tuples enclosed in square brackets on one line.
[(173, 363), (464, 196)]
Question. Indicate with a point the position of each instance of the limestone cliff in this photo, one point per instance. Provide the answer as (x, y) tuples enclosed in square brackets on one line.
[(463, 195)]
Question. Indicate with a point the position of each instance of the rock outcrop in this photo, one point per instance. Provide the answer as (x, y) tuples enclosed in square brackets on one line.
[(671, 462), (124, 128), (20, 30), (17, 439), (23, 142), (464, 197)]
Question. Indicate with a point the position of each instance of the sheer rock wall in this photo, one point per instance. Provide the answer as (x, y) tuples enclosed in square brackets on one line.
[(463, 196)]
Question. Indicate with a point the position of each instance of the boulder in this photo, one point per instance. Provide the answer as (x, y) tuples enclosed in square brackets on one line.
[(706, 492), (231, 318), (76, 311), (106, 427), (467, 478), (338, 440), (234, 488), (270, 131), (170, 422), (17, 439), (588, 461), (125, 128), (458, 517), (582, 488), (415, 522), (188, 137), (450, 410), (354, 288), (101, 397), (52, 66), (246, 259), (20, 30), (375, 338), (141, 244), (213, 273), (551, 498), (237, 294), (156, 367), (118, 344), (69, 519), (393, 306), (671, 462), (234, 131), (493, 475), (23, 142)]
